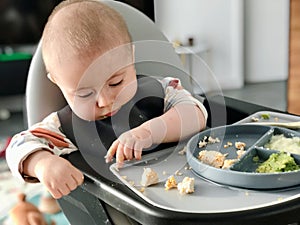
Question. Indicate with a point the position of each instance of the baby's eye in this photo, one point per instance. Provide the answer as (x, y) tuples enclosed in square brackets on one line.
[(84, 94), (116, 84)]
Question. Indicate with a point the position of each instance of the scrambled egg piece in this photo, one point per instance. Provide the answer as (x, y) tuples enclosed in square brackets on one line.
[(149, 177), (170, 183), (212, 158), (186, 186)]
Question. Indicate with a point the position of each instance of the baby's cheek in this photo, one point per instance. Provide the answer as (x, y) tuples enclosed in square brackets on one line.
[(85, 111), (126, 93)]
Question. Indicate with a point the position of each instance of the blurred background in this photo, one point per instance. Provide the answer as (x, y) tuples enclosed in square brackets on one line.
[(246, 44)]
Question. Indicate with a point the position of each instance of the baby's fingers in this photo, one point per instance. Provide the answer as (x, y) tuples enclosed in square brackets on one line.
[(120, 157), (128, 149), (77, 179), (138, 150), (111, 151), (61, 188), (55, 193)]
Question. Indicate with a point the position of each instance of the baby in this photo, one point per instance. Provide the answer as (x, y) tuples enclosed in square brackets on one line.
[(89, 55)]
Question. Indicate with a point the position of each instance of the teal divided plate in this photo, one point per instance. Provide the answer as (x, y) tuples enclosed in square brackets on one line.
[(243, 172)]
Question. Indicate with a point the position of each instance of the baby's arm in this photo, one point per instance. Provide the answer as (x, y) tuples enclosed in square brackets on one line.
[(33, 155), (184, 117), (58, 175), (179, 122)]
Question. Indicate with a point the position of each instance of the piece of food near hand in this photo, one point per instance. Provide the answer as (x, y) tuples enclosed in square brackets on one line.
[(186, 186), (170, 183), (212, 158), (149, 177)]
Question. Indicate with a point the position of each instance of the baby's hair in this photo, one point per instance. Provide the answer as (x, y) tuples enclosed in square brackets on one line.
[(89, 28)]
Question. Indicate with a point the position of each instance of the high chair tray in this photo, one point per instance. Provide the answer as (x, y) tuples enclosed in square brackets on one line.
[(269, 117), (208, 197)]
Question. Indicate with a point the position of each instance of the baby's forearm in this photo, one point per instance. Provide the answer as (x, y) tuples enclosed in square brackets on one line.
[(179, 122), (57, 174), (33, 160)]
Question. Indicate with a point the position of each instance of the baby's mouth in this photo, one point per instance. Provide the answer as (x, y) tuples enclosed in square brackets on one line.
[(111, 113)]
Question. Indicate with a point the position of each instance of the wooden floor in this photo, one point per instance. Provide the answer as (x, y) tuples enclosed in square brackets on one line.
[(294, 73)]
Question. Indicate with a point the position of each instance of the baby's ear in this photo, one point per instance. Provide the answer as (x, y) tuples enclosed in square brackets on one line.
[(50, 77)]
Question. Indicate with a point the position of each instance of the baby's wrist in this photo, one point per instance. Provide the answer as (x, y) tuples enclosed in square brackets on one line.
[(156, 130), (147, 133), (34, 160)]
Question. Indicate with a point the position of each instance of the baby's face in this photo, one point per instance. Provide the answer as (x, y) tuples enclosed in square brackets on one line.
[(98, 88)]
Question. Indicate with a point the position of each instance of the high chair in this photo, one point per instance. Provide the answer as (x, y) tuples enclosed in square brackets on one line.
[(154, 56)]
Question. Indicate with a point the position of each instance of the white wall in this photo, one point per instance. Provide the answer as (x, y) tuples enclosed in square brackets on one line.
[(266, 40), (217, 23), (251, 50)]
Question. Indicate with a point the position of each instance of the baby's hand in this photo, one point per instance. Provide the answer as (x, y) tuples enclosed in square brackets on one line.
[(130, 145), (58, 175)]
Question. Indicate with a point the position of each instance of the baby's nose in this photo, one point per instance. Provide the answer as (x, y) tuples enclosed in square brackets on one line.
[(104, 99)]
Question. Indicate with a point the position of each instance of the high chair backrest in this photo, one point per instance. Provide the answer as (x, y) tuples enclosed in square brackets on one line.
[(154, 55)]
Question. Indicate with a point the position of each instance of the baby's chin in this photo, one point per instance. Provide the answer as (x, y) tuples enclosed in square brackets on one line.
[(95, 117), (80, 112), (85, 116)]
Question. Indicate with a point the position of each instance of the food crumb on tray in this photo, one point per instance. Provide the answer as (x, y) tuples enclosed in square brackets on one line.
[(149, 177), (186, 186), (170, 183), (183, 151)]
